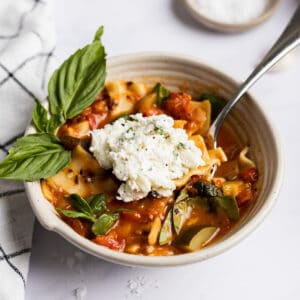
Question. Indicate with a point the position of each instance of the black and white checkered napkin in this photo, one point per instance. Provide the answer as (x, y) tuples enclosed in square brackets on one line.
[(27, 40)]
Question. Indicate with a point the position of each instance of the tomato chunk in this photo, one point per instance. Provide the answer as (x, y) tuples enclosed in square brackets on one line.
[(132, 216), (111, 241), (178, 106), (250, 175), (244, 197), (95, 120)]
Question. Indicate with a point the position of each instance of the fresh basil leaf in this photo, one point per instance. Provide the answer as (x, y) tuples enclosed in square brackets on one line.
[(162, 94), (39, 117), (33, 157), (74, 214), (99, 33), (217, 103), (104, 223), (97, 203), (81, 205), (205, 189), (75, 85), (229, 205), (53, 123)]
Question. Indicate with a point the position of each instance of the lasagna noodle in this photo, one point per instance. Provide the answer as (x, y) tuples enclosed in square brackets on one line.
[(244, 161), (70, 180), (120, 102)]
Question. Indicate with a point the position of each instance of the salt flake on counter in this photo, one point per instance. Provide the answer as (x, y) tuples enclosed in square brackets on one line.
[(138, 285), (80, 293)]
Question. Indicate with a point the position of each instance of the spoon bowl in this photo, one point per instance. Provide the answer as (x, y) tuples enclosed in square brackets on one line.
[(288, 40)]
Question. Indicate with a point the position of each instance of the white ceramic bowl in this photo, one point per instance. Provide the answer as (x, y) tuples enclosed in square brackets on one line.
[(249, 121)]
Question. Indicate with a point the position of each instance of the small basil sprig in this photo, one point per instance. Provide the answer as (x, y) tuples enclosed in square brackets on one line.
[(162, 94), (72, 88), (104, 223), (94, 209)]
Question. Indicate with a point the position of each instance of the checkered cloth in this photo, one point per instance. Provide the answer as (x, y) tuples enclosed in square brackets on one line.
[(27, 41)]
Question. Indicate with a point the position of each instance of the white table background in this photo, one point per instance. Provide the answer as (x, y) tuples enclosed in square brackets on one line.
[(264, 266)]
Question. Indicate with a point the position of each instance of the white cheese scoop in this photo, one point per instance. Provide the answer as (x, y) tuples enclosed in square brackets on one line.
[(146, 153)]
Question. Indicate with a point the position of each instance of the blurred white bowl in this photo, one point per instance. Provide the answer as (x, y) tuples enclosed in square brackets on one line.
[(192, 7)]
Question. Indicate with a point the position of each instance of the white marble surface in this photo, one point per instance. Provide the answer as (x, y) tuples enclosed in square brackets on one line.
[(264, 266)]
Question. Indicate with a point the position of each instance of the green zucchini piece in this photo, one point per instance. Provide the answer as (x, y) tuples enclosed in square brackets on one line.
[(166, 235), (197, 237), (182, 195), (199, 202), (181, 212), (230, 206), (205, 189)]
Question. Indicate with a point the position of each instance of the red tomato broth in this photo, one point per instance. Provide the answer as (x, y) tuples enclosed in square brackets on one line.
[(130, 232)]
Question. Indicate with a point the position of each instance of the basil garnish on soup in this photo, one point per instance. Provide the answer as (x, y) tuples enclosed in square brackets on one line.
[(72, 88)]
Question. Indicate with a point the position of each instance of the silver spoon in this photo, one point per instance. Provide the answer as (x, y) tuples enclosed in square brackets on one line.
[(289, 39)]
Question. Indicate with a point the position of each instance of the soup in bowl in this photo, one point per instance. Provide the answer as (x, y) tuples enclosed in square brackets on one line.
[(139, 189)]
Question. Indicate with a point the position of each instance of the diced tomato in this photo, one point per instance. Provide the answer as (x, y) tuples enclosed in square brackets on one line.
[(249, 175), (78, 226), (244, 197), (111, 241), (152, 111), (178, 106), (131, 216), (95, 120)]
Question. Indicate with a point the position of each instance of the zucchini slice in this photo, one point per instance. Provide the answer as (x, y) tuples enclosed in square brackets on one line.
[(197, 237)]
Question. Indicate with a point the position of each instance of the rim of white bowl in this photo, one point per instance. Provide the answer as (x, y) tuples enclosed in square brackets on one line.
[(55, 223)]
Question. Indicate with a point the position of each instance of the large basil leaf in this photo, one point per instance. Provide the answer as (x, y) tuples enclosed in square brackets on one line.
[(75, 85), (33, 157)]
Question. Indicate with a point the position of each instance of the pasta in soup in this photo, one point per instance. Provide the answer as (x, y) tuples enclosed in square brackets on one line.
[(140, 178)]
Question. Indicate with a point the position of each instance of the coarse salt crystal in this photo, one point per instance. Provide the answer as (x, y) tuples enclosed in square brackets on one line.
[(80, 293)]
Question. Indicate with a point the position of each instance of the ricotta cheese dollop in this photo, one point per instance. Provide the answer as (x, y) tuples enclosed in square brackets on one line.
[(146, 153)]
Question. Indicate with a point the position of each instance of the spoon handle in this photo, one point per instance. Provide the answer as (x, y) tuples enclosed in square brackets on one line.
[(288, 40)]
